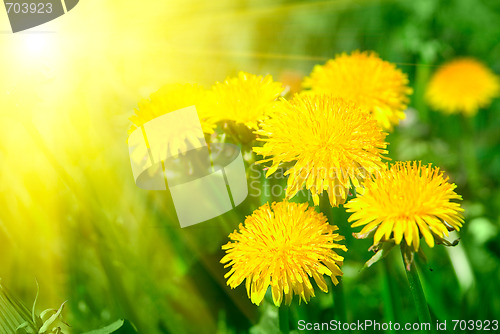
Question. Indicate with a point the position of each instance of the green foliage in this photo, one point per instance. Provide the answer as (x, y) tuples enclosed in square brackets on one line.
[(119, 327)]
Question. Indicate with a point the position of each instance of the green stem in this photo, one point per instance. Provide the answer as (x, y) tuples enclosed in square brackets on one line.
[(338, 290), (422, 78), (468, 154), (265, 185), (277, 185), (387, 291), (417, 292), (283, 319), (325, 207), (339, 301)]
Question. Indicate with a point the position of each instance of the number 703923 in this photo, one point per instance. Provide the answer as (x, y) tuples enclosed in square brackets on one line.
[(32, 7), (473, 325)]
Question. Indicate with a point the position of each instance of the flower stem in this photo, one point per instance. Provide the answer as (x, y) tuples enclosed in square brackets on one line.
[(422, 78), (387, 285), (468, 154), (283, 319), (416, 290), (265, 186), (339, 301), (338, 290)]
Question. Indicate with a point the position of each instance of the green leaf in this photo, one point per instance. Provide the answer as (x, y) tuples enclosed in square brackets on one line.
[(268, 323), (119, 327), (25, 327), (380, 254), (43, 315), (33, 315), (51, 320)]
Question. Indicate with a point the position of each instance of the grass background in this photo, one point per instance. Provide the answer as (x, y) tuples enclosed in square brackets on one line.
[(72, 217)]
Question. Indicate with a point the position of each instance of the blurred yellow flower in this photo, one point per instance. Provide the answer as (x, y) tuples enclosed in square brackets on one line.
[(462, 86), (283, 246), (364, 78), (406, 202), (173, 97), (333, 143), (245, 99)]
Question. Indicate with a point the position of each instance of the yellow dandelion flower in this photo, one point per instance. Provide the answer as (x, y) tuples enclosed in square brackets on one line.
[(283, 246), (406, 202), (245, 98), (333, 143), (173, 97), (371, 82), (462, 86)]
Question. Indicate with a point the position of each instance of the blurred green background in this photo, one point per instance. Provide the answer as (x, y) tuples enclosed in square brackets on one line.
[(72, 218)]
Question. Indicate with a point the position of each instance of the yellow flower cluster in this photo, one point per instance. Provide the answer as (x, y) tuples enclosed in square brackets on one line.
[(330, 139)]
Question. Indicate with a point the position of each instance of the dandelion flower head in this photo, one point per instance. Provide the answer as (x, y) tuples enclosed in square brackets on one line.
[(245, 99), (283, 246), (330, 144), (405, 202), (371, 82), (173, 97), (462, 86)]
